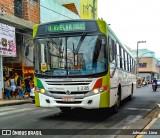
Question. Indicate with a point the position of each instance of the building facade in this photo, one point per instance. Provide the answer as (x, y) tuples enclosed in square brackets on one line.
[(148, 65), (85, 9), (21, 14), (51, 10)]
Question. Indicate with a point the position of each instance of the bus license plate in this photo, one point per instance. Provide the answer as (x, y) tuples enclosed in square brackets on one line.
[(68, 99)]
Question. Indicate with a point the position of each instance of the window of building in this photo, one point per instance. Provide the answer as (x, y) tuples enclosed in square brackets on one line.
[(142, 65), (18, 8)]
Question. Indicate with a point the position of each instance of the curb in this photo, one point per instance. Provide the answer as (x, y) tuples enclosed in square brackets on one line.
[(15, 103)]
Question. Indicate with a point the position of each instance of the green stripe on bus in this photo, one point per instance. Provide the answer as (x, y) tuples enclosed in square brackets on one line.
[(37, 102), (39, 84), (104, 100), (102, 26), (35, 29), (35, 81)]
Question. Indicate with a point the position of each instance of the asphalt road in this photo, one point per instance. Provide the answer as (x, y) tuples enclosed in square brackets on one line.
[(27, 116)]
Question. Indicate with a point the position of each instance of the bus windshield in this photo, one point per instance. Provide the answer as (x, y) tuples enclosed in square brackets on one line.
[(68, 56)]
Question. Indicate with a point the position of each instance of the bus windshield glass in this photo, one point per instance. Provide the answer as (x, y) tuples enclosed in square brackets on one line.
[(68, 56)]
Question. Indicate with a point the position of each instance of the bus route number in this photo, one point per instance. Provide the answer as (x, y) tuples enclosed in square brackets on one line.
[(82, 88)]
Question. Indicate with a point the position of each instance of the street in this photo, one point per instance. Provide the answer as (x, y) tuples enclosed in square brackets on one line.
[(27, 116)]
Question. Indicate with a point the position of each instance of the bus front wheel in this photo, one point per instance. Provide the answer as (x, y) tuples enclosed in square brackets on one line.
[(118, 102), (65, 109), (131, 96)]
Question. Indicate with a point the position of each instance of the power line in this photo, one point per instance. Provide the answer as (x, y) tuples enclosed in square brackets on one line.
[(54, 11)]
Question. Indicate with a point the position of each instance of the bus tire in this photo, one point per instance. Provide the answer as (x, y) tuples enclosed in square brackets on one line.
[(65, 109), (33, 101), (131, 96), (118, 102)]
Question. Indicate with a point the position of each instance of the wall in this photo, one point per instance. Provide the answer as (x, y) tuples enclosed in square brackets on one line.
[(48, 15), (7, 6), (86, 10), (65, 2), (32, 11), (152, 65)]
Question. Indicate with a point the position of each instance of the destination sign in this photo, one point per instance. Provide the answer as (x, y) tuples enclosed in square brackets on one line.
[(69, 26)]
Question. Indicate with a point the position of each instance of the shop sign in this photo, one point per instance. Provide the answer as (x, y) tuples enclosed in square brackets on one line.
[(7, 41)]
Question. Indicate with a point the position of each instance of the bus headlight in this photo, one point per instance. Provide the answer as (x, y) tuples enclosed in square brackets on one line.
[(96, 91), (42, 91), (99, 90)]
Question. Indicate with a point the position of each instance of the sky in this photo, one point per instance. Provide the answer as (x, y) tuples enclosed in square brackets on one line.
[(132, 21)]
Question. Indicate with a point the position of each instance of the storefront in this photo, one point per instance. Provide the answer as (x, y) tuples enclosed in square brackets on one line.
[(7, 48)]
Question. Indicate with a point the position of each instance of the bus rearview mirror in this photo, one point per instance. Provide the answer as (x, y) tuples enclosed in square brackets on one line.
[(26, 50)]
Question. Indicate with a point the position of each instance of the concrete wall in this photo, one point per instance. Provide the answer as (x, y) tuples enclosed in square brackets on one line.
[(47, 13), (31, 9), (86, 10), (152, 65)]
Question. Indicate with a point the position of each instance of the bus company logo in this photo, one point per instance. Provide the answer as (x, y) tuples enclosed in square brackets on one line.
[(6, 132), (68, 92)]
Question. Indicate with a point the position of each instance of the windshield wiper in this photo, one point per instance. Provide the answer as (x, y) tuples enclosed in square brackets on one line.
[(53, 42), (80, 43), (55, 46)]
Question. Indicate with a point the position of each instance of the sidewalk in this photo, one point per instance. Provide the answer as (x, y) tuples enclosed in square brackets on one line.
[(14, 102), (152, 129)]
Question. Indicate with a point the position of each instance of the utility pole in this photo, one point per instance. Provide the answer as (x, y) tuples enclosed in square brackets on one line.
[(137, 73)]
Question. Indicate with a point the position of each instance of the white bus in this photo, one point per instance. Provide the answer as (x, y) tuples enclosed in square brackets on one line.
[(81, 63)]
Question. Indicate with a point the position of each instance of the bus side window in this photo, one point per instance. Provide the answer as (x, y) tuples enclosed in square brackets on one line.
[(118, 56), (110, 49), (126, 61), (113, 50)]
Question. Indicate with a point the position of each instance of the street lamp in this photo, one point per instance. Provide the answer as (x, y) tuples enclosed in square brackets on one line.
[(137, 58)]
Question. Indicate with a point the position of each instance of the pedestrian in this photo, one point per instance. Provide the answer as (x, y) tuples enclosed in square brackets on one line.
[(8, 88), (20, 88), (28, 85), (13, 85)]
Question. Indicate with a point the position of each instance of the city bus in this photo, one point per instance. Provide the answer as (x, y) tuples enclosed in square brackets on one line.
[(81, 64)]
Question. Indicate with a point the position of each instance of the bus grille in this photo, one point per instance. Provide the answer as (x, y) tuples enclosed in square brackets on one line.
[(81, 92), (85, 82)]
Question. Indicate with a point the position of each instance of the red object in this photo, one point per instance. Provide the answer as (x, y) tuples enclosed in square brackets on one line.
[(98, 83)]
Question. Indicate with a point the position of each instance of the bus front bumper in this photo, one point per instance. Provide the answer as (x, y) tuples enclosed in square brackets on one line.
[(91, 102)]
